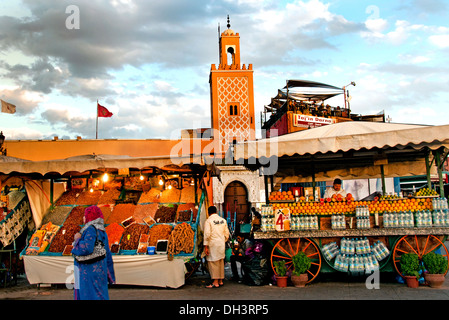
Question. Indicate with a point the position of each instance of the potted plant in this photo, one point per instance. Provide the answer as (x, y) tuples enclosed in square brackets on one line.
[(301, 263), (410, 269), (281, 273), (436, 266)]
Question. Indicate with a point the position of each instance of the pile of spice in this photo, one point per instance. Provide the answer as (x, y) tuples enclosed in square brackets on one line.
[(159, 232), (152, 195), (106, 210), (166, 214), (88, 198), (67, 198), (121, 212), (131, 236), (170, 195), (188, 194), (63, 237), (57, 215), (144, 210), (114, 232), (75, 216), (109, 196)]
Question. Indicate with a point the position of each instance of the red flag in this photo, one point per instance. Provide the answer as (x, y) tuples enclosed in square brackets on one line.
[(103, 112)]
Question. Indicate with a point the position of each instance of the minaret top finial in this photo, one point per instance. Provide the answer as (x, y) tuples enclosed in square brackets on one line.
[(229, 23)]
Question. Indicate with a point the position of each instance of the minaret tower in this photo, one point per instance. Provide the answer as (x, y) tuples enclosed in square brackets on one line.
[(232, 93)]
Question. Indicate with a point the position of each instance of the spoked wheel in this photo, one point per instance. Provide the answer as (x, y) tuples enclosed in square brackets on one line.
[(419, 245), (285, 249)]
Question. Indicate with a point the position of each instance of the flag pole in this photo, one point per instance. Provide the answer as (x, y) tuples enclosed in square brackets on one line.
[(96, 130)]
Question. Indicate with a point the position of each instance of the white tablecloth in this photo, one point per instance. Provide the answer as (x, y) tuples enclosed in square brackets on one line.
[(145, 270)]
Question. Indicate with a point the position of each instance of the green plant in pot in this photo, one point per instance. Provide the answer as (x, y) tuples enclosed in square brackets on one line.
[(436, 266), (301, 263), (410, 269), (281, 273)]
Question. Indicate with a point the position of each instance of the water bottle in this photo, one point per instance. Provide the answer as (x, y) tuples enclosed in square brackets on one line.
[(345, 245), (344, 263), (446, 217)]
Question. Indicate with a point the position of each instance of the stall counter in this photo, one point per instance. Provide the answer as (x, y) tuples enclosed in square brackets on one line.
[(144, 270)]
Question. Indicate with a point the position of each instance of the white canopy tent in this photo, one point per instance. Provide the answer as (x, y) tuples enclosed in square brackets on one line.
[(346, 150)]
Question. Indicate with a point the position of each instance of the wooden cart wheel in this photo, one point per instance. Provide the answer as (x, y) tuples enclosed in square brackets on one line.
[(419, 245), (285, 249)]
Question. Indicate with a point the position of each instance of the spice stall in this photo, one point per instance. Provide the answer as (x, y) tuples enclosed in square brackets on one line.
[(345, 234), (151, 210)]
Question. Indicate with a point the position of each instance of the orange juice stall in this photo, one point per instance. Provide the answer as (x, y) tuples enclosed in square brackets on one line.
[(341, 233)]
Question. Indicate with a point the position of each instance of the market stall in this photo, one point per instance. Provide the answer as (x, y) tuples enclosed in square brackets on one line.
[(343, 234), (151, 209)]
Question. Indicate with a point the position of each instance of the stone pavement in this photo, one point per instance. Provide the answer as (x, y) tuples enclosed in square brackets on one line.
[(327, 296), (326, 287)]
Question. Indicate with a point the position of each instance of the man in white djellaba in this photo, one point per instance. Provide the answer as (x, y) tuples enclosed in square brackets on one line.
[(216, 233)]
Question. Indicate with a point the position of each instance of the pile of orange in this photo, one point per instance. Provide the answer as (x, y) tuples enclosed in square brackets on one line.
[(348, 207), (401, 205), (281, 195), (317, 208)]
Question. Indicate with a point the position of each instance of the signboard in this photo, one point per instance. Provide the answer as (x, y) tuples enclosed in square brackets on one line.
[(306, 121), (282, 219)]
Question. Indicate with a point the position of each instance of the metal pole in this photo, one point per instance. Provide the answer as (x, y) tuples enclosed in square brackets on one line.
[(265, 179), (96, 127), (440, 172), (383, 178), (429, 182)]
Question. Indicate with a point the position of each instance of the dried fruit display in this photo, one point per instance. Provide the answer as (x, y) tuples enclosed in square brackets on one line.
[(184, 212), (165, 214), (131, 236), (67, 198), (88, 198), (181, 239), (75, 216), (143, 244), (64, 237), (115, 248), (114, 232), (121, 212), (159, 232), (57, 215), (170, 195), (109, 197), (152, 195), (144, 210)]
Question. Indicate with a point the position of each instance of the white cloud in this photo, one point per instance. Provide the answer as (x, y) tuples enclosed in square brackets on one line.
[(441, 41), (376, 25)]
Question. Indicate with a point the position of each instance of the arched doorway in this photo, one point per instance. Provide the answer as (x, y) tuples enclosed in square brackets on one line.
[(236, 200)]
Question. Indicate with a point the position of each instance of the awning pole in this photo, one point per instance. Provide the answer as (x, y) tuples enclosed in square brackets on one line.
[(440, 172), (51, 193), (429, 182), (265, 179), (313, 181), (382, 172)]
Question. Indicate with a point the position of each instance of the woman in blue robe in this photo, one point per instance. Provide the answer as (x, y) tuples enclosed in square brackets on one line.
[(91, 279)]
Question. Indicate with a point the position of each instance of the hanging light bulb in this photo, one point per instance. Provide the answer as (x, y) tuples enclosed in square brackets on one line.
[(105, 177), (141, 177), (161, 182), (91, 189), (169, 187)]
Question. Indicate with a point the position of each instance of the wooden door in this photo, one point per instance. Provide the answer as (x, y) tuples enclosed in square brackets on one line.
[(236, 199)]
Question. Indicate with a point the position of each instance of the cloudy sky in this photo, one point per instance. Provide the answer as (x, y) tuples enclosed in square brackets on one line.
[(148, 62)]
